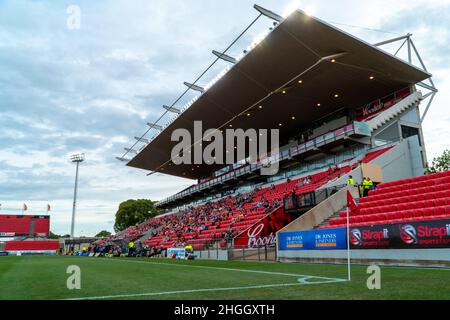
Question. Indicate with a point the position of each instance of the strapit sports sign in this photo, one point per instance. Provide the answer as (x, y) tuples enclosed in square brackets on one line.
[(407, 235)]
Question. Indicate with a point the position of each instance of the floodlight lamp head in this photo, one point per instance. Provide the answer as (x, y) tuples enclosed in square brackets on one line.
[(79, 157)]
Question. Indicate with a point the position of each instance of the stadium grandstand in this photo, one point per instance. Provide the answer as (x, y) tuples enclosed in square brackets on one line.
[(346, 110), (26, 234)]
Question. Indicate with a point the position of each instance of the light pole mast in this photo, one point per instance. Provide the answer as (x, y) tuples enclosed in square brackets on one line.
[(77, 159)]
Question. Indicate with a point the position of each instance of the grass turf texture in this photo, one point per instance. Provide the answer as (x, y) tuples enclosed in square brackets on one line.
[(44, 277)]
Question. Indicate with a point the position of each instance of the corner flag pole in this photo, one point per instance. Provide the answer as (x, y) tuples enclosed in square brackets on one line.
[(348, 244)]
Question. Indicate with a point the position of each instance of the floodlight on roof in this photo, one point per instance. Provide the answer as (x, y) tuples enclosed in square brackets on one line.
[(194, 87), (172, 109), (155, 126), (268, 13), (310, 11), (143, 140), (258, 39), (123, 159), (292, 7), (224, 57), (130, 150)]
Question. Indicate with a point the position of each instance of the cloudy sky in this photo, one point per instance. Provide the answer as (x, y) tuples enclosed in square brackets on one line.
[(92, 89)]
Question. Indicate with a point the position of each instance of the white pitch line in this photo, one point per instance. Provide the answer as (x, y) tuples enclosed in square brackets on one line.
[(227, 269), (302, 281)]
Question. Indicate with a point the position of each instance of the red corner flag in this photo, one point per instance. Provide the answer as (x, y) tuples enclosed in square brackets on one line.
[(351, 203), (48, 208), (25, 208)]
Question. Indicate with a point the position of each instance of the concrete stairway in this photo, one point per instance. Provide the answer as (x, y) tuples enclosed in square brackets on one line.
[(394, 111), (325, 222), (148, 234)]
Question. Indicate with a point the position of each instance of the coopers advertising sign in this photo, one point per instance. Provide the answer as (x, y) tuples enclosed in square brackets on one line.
[(263, 233)]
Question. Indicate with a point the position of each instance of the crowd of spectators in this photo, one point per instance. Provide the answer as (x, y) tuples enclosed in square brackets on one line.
[(221, 219)]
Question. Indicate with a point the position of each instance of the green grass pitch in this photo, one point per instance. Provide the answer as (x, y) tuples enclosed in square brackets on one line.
[(45, 277)]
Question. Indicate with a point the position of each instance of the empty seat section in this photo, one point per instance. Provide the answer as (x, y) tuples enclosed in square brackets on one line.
[(415, 199)]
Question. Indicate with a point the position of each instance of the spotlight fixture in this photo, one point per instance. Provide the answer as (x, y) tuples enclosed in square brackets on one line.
[(300, 81), (318, 104), (333, 60), (293, 118), (371, 77), (336, 95), (260, 107)]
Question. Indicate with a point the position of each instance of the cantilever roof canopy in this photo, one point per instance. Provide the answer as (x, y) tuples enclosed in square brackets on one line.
[(303, 70)]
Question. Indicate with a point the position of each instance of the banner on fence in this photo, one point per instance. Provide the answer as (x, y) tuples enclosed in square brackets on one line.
[(263, 233), (180, 253), (322, 239), (407, 235)]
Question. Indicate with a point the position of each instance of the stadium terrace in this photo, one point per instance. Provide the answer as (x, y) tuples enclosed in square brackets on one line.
[(346, 112), (350, 187)]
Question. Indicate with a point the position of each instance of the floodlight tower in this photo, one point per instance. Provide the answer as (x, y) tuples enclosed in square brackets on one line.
[(77, 159)]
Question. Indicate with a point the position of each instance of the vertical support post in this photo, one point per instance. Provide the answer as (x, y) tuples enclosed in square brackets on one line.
[(72, 227), (409, 50), (348, 245)]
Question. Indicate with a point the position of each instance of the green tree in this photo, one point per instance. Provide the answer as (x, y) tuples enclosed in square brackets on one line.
[(439, 164), (133, 212), (103, 234)]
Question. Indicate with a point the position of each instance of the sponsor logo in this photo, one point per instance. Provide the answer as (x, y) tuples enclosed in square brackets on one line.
[(372, 109), (408, 234), (326, 240), (294, 242), (355, 237), (425, 231), (368, 237), (255, 240)]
